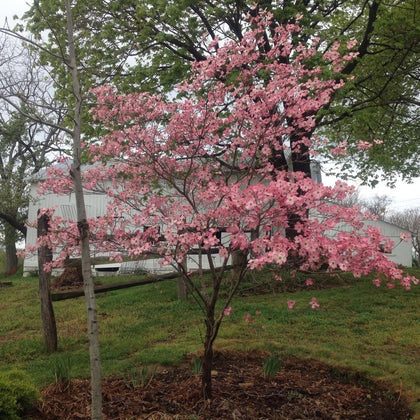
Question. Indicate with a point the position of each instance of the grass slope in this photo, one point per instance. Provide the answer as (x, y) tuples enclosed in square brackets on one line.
[(375, 332)]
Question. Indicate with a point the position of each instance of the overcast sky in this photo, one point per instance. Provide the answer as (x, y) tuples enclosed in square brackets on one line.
[(404, 195), (9, 8)]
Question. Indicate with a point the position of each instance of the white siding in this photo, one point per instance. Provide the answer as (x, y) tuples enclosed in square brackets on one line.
[(401, 252), (65, 207)]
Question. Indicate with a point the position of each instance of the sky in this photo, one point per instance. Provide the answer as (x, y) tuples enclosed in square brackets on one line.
[(404, 195)]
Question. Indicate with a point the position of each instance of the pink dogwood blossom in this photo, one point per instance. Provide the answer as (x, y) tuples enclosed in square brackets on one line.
[(377, 282), (247, 318), (364, 145), (314, 303), (227, 311), (405, 236)]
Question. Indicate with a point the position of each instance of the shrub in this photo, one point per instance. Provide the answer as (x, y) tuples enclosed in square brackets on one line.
[(17, 394)]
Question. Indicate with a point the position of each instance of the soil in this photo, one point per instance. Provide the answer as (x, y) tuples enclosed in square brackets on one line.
[(71, 277), (301, 389)]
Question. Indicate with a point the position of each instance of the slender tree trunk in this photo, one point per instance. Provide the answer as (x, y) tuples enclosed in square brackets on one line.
[(11, 263), (83, 227), (212, 327), (49, 327), (182, 285), (207, 367)]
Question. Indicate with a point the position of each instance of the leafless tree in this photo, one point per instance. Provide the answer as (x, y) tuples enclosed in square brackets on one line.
[(28, 135), (379, 205)]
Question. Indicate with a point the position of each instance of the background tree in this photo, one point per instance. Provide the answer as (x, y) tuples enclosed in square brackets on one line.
[(27, 136), (150, 45), (378, 205), (21, 155), (13, 192), (381, 102), (49, 326)]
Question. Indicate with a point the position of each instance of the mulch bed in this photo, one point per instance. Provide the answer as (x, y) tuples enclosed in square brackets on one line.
[(302, 389)]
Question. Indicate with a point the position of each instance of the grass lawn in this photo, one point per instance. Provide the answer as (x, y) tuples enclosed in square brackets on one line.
[(375, 332)]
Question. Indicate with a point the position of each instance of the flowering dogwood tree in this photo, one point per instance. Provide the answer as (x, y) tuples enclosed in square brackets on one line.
[(198, 173)]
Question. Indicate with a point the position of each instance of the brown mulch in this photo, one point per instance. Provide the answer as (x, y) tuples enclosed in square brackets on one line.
[(302, 389), (70, 278)]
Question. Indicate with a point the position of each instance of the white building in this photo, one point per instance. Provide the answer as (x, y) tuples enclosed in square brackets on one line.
[(402, 251)]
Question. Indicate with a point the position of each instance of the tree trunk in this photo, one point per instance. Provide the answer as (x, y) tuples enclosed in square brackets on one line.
[(298, 161), (11, 263), (83, 227), (49, 327), (182, 285), (239, 263), (212, 327), (207, 367), (301, 162)]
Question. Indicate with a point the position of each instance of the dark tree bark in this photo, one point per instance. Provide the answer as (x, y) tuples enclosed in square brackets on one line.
[(239, 263), (14, 222), (11, 262), (49, 327), (182, 285), (208, 355)]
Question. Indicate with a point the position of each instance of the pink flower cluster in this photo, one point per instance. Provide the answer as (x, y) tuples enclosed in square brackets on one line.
[(227, 311), (314, 303), (248, 317), (291, 304)]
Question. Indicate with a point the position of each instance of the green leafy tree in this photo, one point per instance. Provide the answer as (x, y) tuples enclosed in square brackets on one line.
[(380, 105), (149, 45)]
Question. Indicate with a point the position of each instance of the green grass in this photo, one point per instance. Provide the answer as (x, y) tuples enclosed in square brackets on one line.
[(372, 331)]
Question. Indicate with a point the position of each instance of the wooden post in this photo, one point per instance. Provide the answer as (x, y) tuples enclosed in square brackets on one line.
[(49, 327)]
